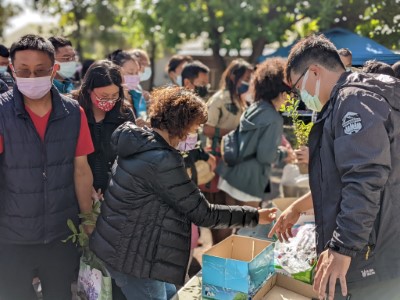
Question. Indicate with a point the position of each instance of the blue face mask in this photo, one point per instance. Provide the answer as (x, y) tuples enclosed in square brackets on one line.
[(3, 69), (243, 88), (312, 102)]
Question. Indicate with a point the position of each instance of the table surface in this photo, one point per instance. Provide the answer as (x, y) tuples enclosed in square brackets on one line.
[(191, 290)]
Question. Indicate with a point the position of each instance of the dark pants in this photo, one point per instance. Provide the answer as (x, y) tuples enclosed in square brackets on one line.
[(55, 264)]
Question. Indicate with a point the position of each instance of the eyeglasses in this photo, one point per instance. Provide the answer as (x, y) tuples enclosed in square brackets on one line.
[(106, 99), (66, 58), (294, 90), (25, 73)]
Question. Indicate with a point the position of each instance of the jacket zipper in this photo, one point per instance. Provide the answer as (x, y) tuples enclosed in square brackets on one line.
[(368, 252), (44, 173), (44, 176)]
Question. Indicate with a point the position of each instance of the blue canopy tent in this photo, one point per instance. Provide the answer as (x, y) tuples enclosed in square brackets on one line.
[(363, 48)]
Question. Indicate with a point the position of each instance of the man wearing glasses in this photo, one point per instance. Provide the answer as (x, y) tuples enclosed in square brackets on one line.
[(354, 172), (66, 58), (45, 178)]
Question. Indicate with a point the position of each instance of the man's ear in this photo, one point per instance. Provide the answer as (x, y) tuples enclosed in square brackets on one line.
[(12, 70), (187, 84), (314, 70)]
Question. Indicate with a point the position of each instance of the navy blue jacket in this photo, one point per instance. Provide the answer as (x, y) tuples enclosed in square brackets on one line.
[(355, 176), (37, 192)]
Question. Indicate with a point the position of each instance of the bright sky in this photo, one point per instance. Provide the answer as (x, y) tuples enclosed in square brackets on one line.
[(26, 17)]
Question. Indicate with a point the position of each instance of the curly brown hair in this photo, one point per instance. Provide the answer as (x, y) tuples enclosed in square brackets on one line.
[(268, 80), (176, 110)]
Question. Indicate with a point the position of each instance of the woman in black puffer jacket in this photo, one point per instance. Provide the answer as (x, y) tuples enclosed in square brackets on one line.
[(143, 232)]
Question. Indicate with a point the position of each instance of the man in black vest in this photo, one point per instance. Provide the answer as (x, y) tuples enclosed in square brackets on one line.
[(44, 176)]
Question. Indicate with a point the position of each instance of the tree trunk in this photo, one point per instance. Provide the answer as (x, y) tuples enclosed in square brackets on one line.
[(258, 47), (215, 38), (153, 51)]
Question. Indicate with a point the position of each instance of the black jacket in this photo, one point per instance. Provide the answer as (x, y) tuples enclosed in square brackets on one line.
[(145, 222), (37, 189), (103, 157), (355, 175)]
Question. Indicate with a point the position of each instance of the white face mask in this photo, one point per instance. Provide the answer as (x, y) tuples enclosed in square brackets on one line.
[(34, 88), (67, 69), (146, 74), (3, 69), (179, 80), (312, 102)]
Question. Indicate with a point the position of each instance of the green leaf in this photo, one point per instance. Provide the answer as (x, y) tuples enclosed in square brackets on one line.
[(71, 226)]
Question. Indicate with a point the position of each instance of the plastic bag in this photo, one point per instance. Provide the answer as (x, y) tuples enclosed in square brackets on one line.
[(93, 283), (299, 255)]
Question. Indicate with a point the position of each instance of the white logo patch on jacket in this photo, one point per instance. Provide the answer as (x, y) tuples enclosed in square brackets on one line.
[(351, 123), (366, 273)]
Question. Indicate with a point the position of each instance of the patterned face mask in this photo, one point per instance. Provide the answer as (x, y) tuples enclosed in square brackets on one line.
[(104, 105)]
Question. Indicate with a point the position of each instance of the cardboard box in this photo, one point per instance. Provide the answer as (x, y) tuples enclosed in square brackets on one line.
[(236, 266), (280, 287)]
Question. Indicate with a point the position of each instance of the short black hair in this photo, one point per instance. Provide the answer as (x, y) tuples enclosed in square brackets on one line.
[(396, 69), (377, 67), (119, 57), (191, 70), (314, 49), (33, 42), (345, 52), (59, 42), (4, 51), (176, 60)]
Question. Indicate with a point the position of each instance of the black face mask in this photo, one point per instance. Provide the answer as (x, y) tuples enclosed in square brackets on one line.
[(202, 91)]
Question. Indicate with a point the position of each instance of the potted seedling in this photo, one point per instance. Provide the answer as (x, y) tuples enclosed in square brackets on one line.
[(301, 130)]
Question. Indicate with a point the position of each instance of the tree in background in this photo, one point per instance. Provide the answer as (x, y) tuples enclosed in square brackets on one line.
[(90, 24), (7, 11), (376, 19), (100, 26), (228, 24)]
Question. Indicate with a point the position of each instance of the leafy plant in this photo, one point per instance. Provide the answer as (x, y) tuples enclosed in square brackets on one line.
[(80, 237), (301, 130)]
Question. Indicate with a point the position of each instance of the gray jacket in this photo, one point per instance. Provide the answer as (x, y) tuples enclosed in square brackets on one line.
[(260, 134), (355, 175)]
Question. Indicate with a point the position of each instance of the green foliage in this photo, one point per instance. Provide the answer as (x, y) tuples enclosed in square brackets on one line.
[(301, 130), (80, 237), (99, 26), (377, 19), (7, 11)]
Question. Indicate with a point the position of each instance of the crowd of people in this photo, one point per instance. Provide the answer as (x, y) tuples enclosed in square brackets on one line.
[(72, 136)]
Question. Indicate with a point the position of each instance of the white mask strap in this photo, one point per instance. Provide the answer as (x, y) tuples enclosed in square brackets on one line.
[(304, 80)]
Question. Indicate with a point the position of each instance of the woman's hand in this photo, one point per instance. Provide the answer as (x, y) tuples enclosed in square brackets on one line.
[(97, 196), (284, 224), (291, 156), (212, 161), (266, 215), (302, 155)]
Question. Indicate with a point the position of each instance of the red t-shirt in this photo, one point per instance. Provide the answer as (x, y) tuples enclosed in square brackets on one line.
[(84, 145)]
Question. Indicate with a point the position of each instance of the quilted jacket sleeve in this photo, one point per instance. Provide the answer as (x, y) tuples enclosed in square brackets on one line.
[(179, 192)]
